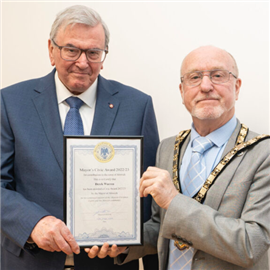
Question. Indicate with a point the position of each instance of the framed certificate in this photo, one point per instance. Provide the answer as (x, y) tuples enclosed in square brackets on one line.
[(101, 189)]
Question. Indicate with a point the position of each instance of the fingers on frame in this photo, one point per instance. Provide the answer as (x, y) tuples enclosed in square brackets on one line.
[(113, 251), (66, 241), (93, 252), (104, 251)]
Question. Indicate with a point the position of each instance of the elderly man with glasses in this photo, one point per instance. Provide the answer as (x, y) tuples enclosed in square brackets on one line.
[(74, 99), (211, 184)]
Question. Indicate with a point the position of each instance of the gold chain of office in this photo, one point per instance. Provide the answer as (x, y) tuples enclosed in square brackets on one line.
[(239, 147)]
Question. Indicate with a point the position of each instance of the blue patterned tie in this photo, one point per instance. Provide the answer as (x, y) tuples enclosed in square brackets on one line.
[(196, 172), (73, 122), (194, 178)]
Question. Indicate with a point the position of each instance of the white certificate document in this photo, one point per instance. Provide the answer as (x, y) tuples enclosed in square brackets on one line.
[(101, 184)]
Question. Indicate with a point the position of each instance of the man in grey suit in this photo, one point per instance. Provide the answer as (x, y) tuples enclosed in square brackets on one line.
[(33, 113), (223, 223)]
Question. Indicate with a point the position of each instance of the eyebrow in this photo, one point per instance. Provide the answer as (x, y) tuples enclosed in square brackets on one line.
[(72, 46), (213, 68)]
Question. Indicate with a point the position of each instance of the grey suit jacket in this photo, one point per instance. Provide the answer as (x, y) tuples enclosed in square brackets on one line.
[(231, 230), (32, 162)]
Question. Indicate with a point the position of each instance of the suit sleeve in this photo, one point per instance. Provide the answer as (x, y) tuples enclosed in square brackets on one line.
[(151, 141), (238, 232), (150, 133), (18, 215)]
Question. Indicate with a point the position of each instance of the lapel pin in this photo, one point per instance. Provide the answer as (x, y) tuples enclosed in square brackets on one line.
[(111, 105)]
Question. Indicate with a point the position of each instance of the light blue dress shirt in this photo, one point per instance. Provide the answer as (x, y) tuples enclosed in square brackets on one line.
[(220, 138), (212, 156)]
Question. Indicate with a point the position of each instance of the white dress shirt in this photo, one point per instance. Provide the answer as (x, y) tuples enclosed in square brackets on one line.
[(87, 110)]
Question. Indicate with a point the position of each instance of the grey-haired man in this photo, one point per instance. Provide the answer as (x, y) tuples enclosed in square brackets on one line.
[(32, 122)]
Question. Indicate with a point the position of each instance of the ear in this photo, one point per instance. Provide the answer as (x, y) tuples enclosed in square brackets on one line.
[(101, 67), (51, 49), (238, 84), (182, 92)]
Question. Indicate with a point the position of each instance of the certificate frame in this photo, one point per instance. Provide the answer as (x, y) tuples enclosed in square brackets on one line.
[(99, 204)]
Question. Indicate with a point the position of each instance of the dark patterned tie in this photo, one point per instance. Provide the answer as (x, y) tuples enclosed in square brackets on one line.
[(73, 122)]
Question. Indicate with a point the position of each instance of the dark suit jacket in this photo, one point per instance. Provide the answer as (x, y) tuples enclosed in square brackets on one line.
[(32, 162)]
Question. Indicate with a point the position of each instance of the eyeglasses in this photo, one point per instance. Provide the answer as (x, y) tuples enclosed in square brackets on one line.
[(73, 53), (217, 76)]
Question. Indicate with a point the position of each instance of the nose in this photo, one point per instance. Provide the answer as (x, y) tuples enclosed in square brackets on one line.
[(82, 62), (206, 84)]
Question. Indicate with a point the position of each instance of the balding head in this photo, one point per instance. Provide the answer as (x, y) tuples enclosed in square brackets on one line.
[(209, 57)]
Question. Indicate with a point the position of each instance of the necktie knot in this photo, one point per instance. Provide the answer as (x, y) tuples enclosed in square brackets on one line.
[(73, 123), (74, 102), (201, 144)]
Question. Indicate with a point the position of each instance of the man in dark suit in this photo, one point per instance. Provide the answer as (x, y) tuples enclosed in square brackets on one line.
[(33, 117)]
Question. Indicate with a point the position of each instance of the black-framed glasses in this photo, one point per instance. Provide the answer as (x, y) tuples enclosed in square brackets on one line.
[(217, 76), (73, 53)]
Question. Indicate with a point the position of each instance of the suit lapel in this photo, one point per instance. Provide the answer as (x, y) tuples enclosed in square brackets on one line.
[(216, 192), (106, 108), (182, 152), (45, 101), (232, 140), (184, 147)]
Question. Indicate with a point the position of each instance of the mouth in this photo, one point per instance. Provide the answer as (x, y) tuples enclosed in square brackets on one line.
[(81, 73), (207, 99)]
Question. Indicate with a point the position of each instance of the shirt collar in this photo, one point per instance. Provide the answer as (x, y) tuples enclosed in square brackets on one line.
[(219, 136), (88, 96)]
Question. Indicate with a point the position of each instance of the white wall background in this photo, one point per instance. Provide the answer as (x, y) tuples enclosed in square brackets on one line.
[(148, 42)]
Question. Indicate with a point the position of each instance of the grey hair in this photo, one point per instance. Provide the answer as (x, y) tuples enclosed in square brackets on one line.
[(78, 14)]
